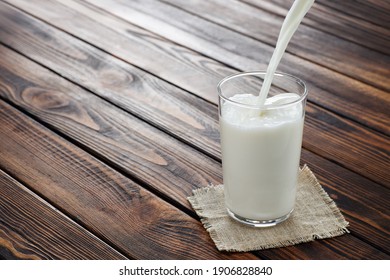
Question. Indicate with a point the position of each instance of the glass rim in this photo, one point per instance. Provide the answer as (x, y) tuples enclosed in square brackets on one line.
[(257, 73)]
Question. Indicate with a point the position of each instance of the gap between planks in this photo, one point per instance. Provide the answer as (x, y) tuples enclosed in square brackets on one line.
[(327, 243), (338, 112), (127, 110), (56, 219)]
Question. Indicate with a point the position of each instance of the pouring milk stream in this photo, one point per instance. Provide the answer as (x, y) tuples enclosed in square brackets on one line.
[(290, 24), (261, 151)]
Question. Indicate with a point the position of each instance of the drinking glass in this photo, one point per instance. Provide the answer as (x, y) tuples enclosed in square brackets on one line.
[(261, 146)]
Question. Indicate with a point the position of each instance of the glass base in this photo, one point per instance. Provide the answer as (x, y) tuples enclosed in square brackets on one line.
[(260, 223)]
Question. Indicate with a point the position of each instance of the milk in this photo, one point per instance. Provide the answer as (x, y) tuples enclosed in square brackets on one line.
[(261, 137), (260, 155), (290, 25)]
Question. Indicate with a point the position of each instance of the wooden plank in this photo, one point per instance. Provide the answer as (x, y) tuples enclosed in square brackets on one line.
[(347, 143), (118, 209), (355, 197), (198, 74), (308, 43), (326, 86), (30, 228), (111, 205), (335, 22), (106, 202), (134, 45), (364, 203), (200, 128), (95, 125), (346, 250), (317, 118), (130, 88), (228, 46), (375, 11), (135, 147)]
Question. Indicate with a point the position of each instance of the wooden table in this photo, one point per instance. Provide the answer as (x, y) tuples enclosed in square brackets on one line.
[(108, 114)]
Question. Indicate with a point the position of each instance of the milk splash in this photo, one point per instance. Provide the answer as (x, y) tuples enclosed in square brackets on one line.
[(290, 25)]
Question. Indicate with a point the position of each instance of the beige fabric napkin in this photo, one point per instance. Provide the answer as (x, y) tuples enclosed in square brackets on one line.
[(315, 216)]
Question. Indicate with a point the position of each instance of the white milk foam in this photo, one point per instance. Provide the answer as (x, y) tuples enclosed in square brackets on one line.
[(261, 152), (253, 116)]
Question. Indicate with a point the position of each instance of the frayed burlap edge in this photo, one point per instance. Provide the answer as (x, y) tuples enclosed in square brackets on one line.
[(306, 176)]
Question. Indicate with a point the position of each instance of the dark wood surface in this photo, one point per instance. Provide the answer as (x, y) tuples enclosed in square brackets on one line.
[(108, 121)]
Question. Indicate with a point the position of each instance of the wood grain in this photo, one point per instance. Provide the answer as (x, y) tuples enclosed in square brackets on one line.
[(348, 144), (308, 43), (375, 11), (234, 49), (126, 86), (336, 21), (324, 250), (133, 44), (364, 203), (60, 104), (104, 130), (117, 209), (198, 74), (162, 162), (321, 125), (104, 201), (196, 125), (30, 228)]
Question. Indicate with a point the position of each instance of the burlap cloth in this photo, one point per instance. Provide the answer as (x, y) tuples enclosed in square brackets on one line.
[(315, 216)]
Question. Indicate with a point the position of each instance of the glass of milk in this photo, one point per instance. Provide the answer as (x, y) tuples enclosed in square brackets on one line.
[(261, 146)]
